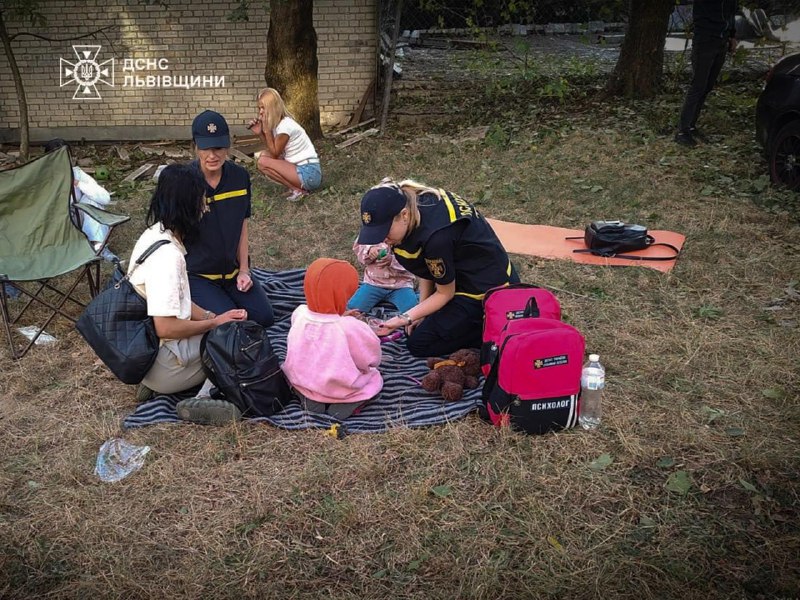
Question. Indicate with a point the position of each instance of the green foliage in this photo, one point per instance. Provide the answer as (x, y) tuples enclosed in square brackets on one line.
[(27, 10), (482, 13), (240, 12)]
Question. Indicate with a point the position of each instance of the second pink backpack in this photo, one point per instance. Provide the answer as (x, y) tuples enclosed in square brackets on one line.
[(504, 304)]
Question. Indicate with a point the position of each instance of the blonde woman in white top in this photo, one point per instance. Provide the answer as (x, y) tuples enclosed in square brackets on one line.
[(289, 157)]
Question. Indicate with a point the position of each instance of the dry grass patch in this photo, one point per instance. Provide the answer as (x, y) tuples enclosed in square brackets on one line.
[(689, 490)]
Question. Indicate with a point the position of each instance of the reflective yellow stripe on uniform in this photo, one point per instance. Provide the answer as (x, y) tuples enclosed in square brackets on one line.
[(405, 254), (216, 276), (226, 195), (473, 296), (480, 296), (451, 210)]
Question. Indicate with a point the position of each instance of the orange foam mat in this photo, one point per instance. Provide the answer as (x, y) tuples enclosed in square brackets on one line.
[(549, 242)]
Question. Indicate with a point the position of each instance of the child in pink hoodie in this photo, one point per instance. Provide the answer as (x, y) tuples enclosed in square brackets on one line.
[(331, 360)]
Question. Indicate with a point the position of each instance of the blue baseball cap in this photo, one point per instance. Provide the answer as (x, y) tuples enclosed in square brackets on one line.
[(379, 207), (210, 130)]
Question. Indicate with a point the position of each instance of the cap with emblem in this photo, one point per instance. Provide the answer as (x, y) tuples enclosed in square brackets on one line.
[(210, 130), (379, 207)]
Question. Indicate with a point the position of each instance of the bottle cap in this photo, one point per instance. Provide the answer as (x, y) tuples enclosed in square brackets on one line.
[(594, 358)]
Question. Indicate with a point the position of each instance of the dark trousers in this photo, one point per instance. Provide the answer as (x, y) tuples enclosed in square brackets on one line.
[(220, 295), (708, 56), (458, 324)]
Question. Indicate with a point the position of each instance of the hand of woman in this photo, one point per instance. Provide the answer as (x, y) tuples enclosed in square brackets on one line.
[(243, 281), (390, 325), (255, 126), (235, 314)]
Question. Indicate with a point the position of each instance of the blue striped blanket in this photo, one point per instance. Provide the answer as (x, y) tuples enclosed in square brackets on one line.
[(402, 403)]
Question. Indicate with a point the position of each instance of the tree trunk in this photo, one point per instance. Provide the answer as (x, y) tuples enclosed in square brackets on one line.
[(641, 59), (292, 60), (24, 132), (389, 70)]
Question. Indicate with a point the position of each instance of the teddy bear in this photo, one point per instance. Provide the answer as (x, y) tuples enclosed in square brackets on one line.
[(450, 376)]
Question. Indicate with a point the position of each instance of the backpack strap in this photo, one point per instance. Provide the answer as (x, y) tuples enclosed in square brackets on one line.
[(626, 256)]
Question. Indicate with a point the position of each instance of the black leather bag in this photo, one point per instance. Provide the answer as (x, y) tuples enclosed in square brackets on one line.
[(238, 359), (116, 325), (615, 238)]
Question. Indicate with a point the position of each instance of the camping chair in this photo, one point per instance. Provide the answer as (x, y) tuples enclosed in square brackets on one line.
[(39, 242)]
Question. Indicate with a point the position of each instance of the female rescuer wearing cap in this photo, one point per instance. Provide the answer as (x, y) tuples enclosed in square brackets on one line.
[(218, 255), (446, 242)]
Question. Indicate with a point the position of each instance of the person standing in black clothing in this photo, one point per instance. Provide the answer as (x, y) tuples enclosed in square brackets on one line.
[(714, 35)]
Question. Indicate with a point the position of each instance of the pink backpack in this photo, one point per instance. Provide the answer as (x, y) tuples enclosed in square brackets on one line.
[(534, 377), (507, 303)]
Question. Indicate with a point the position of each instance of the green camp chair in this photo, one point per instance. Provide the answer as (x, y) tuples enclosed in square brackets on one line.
[(40, 242)]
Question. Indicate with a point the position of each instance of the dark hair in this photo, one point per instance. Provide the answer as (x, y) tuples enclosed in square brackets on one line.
[(178, 200), (54, 144)]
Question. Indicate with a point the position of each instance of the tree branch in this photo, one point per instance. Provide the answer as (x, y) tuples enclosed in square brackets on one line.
[(69, 39)]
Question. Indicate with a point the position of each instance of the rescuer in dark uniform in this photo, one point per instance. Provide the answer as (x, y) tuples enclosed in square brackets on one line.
[(217, 256), (446, 242)]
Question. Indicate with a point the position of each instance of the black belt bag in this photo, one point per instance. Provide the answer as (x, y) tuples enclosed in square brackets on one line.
[(612, 239)]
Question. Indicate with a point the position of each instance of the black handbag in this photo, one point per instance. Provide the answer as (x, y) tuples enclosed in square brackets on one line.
[(612, 239), (116, 325)]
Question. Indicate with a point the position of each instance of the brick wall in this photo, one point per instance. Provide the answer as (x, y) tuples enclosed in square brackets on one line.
[(191, 38)]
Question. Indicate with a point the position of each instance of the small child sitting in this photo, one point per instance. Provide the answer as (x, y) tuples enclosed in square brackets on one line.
[(331, 360), (384, 279)]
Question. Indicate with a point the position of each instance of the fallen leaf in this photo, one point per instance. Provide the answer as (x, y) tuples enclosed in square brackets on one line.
[(601, 462), (679, 483), (748, 486), (646, 522), (440, 491), (555, 543), (773, 393)]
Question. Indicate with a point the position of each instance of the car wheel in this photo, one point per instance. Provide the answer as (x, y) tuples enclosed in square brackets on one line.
[(784, 156)]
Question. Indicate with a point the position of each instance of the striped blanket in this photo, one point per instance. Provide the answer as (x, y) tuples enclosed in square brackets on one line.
[(402, 403)]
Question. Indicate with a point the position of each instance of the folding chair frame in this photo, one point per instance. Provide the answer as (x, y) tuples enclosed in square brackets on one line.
[(92, 273), (33, 290)]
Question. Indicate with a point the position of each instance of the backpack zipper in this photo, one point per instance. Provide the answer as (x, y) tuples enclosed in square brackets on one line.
[(245, 384)]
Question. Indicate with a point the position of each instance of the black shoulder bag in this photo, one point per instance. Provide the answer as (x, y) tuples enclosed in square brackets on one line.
[(612, 239), (116, 325)]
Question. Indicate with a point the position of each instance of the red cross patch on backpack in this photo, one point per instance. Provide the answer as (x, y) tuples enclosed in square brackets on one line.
[(507, 303)]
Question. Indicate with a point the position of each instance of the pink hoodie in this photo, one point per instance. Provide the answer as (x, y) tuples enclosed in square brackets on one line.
[(331, 358)]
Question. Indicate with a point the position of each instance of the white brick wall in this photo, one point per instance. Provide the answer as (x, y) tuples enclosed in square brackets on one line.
[(197, 40)]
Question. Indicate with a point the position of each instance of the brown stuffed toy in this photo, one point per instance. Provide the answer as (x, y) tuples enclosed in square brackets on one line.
[(452, 375)]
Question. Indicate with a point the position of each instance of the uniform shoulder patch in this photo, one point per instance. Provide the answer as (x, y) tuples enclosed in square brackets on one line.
[(435, 267)]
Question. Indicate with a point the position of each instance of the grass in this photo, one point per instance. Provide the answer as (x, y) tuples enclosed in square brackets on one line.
[(688, 490)]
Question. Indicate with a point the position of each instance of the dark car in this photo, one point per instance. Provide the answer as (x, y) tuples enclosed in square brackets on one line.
[(778, 121)]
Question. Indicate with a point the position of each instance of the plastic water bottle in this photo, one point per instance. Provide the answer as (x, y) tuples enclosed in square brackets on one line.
[(593, 380)]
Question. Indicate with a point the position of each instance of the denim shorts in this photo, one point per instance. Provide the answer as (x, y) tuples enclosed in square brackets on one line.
[(310, 175)]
